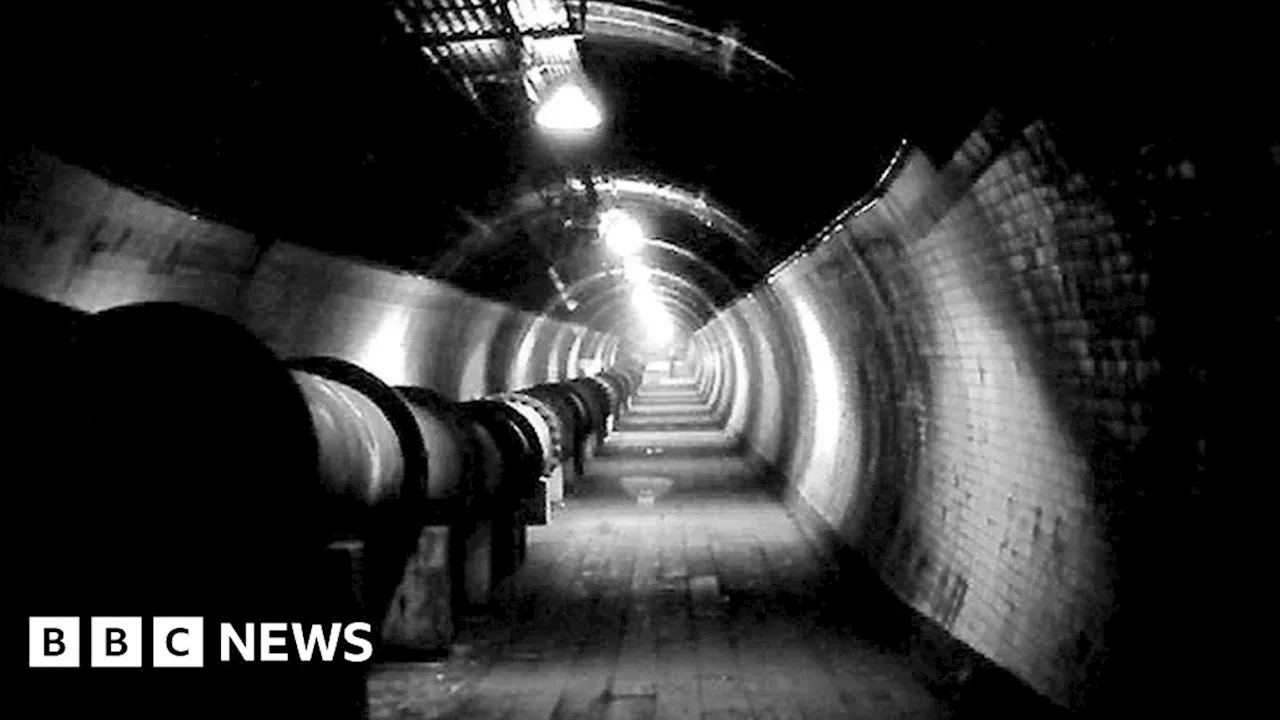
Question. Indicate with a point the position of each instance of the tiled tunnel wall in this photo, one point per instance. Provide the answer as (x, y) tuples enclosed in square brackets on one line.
[(980, 383), (987, 415), (74, 238)]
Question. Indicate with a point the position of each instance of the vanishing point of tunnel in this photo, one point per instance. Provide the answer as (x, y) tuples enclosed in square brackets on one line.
[(542, 359)]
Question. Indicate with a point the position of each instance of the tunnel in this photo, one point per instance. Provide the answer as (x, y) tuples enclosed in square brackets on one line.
[(632, 359)]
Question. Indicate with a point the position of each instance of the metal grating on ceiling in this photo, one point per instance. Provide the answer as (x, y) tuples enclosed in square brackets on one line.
[(524, 46)]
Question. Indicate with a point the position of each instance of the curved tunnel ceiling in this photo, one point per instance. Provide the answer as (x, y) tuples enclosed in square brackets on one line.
[(733, 134)]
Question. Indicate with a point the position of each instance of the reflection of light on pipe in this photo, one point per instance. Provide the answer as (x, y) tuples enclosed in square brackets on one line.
[(621, 232), (568, 109), (384, 354)]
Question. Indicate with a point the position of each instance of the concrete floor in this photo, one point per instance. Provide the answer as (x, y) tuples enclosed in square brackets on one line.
[(675, 586)]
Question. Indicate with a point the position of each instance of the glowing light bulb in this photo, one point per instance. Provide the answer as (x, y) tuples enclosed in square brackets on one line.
[(621, 232), (659, 328), (644, 299), (635, 271), (568, 109)]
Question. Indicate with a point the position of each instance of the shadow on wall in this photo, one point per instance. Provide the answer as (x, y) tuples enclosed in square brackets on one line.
[(984, 411), (72, 238)]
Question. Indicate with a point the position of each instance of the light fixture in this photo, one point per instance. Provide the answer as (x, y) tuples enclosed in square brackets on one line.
[(659, 328), (568, 108), (635, 270), (621, 232), (653, 315), (644, 298)]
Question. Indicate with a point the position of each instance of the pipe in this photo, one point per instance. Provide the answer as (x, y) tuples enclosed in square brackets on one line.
[(454, 454), (565, 428), (361, 462), (38, 365), (566, 416), (620, 383), (516, 438), (613, 401), (597, 398), (617, 395), (581, 423), (519, 466), (195, 494), (480, 558), (546, 421), (373, 464)]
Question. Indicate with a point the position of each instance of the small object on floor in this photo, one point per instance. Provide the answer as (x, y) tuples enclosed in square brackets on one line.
[(632, 689), (460, 650), (706, 587)]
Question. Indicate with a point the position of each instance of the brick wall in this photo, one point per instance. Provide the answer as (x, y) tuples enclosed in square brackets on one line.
[(78, 240), (999, 393)]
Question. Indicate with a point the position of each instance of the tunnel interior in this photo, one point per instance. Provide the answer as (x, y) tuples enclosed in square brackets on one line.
[(849, 366)]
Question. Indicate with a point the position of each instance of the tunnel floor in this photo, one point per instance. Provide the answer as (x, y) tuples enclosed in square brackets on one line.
[(674, 585), (694, 607)]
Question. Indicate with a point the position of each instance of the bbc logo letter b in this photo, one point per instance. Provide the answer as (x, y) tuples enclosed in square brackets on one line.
[(54, 642), (115, 642), (177, 642)]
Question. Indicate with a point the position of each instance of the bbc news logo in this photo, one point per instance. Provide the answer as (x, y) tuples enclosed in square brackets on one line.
[(178, 642)]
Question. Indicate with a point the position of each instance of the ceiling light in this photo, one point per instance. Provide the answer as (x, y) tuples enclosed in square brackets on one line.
[(644, 298), (634, 270), (621, 232), (656, 321), (568, 109), (659, 329)]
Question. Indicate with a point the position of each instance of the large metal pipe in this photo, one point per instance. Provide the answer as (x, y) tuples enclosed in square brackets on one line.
[(361, 462), (597, 399), (565, 413), (37, 323), (579, 409), (545, 421), (519, 463), (516, 438), (561, 417), (633, 376), (194, 494), (489, 458), (533, 505), (38, 366), (455, 553), (455, 468), (554, 472), (374, 467), (477, 554), (620, 386), (613, 400), (623, 376)]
